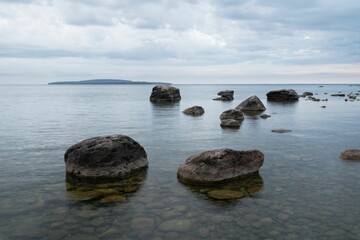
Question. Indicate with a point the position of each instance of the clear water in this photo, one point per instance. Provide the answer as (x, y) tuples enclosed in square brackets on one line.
[(304, 191)]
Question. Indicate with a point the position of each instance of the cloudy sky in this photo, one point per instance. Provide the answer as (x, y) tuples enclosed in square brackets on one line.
[(188, 41)]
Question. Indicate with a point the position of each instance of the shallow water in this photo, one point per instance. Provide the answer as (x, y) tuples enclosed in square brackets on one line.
[(303, 191)]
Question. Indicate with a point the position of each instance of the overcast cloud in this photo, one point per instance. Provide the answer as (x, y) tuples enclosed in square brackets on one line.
[(189, 41)]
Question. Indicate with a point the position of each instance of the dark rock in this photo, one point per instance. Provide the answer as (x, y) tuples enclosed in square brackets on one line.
[(253, 103), (232, 114), (282, 95), (231, 118), (108, 157), (338, 95), (323, 106), (194, 111), (219, 165), (165, 93), (281, 130), (346, 100), (350, 154), (264, 116), (230, 123), (226, 95), (305, 94)]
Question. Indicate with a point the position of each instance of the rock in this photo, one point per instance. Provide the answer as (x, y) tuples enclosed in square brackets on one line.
[(230, 123), (282, 95), (281, 130), (234, 114), (113, 198), (305, 94), (253, 103), (350, 154), (231, 118), (225, 194), (265, 116), (323, 106), (177, 225), (226, 95), (338, 95), (219, 165), (142, 223), (108, 157), (165, 93), (194, 111)]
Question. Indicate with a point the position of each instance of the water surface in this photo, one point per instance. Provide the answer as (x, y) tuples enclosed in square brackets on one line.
[(305, 190)]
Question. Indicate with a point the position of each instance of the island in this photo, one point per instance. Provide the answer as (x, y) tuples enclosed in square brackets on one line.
[(103, 81)]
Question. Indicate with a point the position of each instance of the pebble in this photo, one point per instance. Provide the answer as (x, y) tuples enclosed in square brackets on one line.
[(177, 225), (225, 194), (142, 223)]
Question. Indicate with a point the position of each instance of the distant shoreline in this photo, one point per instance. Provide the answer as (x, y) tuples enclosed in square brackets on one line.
[(104, 82)]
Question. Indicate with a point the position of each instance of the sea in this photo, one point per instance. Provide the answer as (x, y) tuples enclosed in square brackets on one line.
[(304, 190)]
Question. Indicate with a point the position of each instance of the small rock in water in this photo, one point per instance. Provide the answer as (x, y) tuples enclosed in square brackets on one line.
[(252, 103), (350, 154), (225, 194), (142, 223), (323, 106), (281, 130), (177, 225), (265, 116), (194, 111), (112, 199), (282, 95), (219, 165), (226, 95), (230, 123), (165, 93)]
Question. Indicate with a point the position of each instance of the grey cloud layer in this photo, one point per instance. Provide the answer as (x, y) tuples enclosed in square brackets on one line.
[(191, 32)]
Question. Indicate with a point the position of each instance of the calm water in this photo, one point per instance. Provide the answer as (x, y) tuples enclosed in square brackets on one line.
[(304, 190)]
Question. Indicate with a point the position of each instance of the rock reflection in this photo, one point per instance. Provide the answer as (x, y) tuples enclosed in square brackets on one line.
[(103, 192), (243, 187)]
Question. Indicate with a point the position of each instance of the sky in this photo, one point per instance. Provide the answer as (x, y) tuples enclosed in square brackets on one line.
[(188, 41)]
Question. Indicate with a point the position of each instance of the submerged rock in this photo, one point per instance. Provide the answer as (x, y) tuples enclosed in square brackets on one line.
[(219, 165), (305, 94), (338, 95), (281, 130), (282, 95), (225, 194), (194, 111), (108, 157), (252, 103), (350, 154), (165, 93), (226, 95), (265, 116)]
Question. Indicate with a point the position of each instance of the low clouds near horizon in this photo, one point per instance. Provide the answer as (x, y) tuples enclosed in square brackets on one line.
[(191, 41)]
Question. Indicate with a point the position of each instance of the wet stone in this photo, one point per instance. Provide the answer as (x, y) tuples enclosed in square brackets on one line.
[(177, 225), (57, 234), (281, 130), (113, 199), (142, 223), (129, 189), (225, 194)]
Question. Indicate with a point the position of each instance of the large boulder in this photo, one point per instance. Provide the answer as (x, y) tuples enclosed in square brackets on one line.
[(194, 111), (219, 165), (253, 103), (226, 95), (282, 95), (165, 93), (231, 118), (107, 157)]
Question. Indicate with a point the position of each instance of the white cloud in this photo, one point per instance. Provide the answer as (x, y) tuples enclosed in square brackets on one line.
[(176, 35)]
